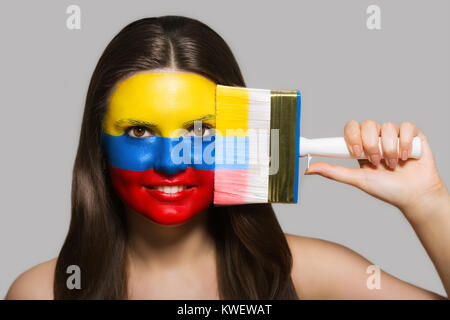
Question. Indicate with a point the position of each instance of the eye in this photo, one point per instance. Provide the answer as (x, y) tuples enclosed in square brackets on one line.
[(205, 130), (138, 132)]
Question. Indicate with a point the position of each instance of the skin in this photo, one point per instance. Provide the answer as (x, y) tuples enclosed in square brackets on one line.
[(178, 260)]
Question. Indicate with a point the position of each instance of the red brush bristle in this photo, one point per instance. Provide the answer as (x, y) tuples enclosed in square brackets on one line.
[(230, 187)]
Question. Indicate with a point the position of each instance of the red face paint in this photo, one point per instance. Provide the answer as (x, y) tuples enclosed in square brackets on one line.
[(137, 190)]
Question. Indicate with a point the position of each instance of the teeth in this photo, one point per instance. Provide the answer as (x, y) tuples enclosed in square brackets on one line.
[(170, 189)]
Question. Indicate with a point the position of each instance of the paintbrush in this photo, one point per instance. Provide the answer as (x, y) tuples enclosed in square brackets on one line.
[(258, 145)]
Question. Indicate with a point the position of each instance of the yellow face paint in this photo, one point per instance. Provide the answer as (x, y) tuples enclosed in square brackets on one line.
[(167, 100)]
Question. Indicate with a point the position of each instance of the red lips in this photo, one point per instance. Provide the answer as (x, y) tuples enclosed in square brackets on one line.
[(164, 196)]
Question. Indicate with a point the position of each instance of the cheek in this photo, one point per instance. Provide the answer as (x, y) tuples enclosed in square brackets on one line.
[(205, 183)]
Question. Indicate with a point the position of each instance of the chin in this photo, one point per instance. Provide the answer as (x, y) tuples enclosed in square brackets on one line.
[(171, 218), (170, 213)]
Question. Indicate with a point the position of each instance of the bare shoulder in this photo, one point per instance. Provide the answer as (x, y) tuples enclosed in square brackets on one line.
[(316, 262), (34, 284), (326, 270), (319, 251)]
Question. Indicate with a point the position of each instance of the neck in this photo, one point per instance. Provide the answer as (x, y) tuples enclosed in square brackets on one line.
[(155, 245)]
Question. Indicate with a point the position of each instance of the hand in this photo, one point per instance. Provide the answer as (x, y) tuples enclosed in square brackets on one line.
[(395, 179)]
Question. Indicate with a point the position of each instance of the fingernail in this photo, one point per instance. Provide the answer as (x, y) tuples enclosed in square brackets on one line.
[(404, 155), (375, 159), (392, 163), (356, 150)]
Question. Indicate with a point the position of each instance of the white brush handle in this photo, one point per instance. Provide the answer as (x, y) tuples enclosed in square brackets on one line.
[(337, 148)]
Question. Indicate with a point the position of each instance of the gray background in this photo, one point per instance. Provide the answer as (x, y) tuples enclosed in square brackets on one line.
[(399, 73)]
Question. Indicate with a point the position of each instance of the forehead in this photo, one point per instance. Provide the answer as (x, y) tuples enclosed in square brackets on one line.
[(162, 97)]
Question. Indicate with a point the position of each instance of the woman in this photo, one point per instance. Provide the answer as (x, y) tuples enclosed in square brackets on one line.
[(127, 249)]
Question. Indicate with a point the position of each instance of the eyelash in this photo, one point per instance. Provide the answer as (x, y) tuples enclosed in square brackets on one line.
[(204, 127), (129, 131)]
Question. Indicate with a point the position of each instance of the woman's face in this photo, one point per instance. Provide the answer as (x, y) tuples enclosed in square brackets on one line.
[(152, 144)]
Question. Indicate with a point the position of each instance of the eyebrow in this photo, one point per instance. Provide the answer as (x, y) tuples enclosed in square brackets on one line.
[(138, 123), (118, 124), (189, 123)]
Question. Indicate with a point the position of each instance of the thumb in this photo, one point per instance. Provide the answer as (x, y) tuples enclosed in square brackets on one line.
[(341, 174), (427, 154)]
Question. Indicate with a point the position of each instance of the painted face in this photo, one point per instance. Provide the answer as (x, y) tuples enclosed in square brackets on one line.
[(153, 145)]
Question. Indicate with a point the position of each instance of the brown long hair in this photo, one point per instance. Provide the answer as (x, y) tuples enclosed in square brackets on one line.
[(253, 257)]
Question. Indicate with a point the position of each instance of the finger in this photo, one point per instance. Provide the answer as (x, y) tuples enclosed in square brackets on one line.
[(352, 135), (389, 142), (363, 163), (349, 176), (408, 131), (370, 133)]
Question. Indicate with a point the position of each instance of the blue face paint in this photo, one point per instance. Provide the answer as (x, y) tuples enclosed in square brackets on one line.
[(172, 155)]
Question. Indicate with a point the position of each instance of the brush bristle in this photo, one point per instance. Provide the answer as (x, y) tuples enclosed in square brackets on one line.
[(241, 112), (244, 119)]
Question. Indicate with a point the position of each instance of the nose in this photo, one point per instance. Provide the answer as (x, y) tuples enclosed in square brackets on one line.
[(169, 159)]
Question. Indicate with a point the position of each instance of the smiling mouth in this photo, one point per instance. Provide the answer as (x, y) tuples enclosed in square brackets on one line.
[(170, 189)]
